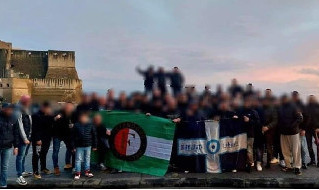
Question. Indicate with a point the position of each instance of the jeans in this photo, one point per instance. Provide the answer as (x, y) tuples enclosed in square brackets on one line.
[(23, 150), (68, 154), (82, 154), (303, 142), (4, 158)]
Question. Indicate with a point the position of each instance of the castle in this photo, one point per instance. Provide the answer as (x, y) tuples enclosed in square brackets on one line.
[(44, 75)]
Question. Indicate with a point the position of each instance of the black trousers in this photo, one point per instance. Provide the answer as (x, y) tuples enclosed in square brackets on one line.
[(310, 135), (42, 156)]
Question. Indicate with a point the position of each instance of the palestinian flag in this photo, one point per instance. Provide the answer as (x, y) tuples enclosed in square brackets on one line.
[(139, 143)]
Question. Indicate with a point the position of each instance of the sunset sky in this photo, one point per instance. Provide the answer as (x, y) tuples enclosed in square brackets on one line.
[(273, 44)]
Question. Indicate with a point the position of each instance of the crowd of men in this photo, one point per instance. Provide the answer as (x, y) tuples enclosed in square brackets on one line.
[(284, 126)]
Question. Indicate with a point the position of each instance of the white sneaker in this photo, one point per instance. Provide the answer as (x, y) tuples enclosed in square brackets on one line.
[(253, 164), (234, 171), (259, 168), (274, 161), (282, 163), (102, 167), (21, 181), (26, 174)]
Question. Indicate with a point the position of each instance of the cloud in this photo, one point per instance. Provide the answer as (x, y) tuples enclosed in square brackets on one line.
[(310, 71)]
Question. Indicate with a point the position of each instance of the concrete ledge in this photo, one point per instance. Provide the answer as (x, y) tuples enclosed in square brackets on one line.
[(158, 182)]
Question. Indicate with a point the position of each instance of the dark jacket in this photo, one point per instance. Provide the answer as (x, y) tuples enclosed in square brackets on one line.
[(84, 135), (161, 79), (148, 78), (269, 117), (102, 137), (312, 121), (9, 133), (253, 123), (289, 119), (177, 80), (62, 128), (42, 126)]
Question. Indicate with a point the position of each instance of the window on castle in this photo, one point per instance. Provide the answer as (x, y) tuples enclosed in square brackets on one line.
[(0, 85), (8, 85)]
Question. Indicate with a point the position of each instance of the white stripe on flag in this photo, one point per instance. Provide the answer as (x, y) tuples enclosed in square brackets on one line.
[(159, 148)]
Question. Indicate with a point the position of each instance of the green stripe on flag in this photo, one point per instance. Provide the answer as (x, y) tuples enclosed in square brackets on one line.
[(160, 135)]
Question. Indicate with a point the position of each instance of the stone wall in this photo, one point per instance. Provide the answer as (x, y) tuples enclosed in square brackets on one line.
[(33, 64), (61, 65), (11, 89), (60, 90)]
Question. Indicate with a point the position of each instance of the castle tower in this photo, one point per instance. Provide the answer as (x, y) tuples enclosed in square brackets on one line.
[(45, 75)]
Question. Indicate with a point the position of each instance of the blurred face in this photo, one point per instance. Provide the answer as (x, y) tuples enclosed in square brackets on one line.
[(312, 100), (284, 100), (268, 93), (175, 70), (97, 120), (46, 109), (8, 111), (84, 118), (68, 108), (234, 82)]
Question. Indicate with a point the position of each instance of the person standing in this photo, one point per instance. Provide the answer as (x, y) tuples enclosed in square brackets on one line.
[(9, 136), (84, 139), (177, 81), (160, 77), (148, 78), (289, 119), (103, 135), (251, 121), (62, 131), (23, 115), (312, 128), (269, 124), (41, 139)]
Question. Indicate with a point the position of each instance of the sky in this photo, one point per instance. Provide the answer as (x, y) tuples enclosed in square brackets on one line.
[(270, 43)]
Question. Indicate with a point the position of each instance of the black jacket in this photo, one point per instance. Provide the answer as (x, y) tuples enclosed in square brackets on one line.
[(62, 128), (312, 121), (177, 80), (102, 137), (253, 123), (9, 133), (269, 117), (84, 135), (289, 119), (42, 126)]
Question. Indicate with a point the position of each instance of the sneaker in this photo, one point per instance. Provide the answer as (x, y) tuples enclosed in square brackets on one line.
[(234, 171), (274, 161), (46, 171), (311, 163), (57, 171), (259, 168), (282, 163), (304, 166), (21, 181), (186, 171), (88, 174), (68, 166), (298, 171), (26, 174), (77, 176), (102, 167), (36, 175)]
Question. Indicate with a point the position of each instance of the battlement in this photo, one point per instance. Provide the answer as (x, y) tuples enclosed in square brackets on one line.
[(56, 83)]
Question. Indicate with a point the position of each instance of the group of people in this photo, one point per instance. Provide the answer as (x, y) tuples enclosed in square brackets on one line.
[(23, 126), (284, 126)]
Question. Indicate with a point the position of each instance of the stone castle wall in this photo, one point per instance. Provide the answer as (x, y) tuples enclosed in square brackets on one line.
[(44, 75)]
